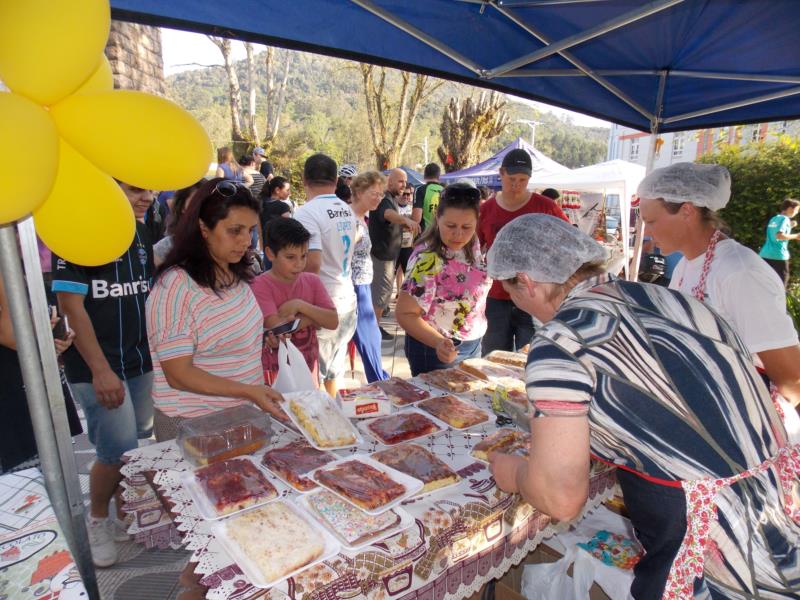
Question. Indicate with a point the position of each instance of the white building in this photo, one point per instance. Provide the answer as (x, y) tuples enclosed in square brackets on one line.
[(686, 146)]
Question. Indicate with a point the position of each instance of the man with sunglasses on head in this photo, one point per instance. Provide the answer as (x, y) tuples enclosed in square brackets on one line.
[(509, 327), (108, 367)]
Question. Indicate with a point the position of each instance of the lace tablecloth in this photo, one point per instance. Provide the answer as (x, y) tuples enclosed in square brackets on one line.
[(463, 535)]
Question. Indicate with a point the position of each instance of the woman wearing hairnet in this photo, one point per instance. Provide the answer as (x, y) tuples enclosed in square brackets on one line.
[(678, 207), (656, 383)]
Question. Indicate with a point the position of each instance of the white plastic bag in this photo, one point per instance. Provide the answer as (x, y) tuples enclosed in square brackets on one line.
[(549, 581), (293, 372)]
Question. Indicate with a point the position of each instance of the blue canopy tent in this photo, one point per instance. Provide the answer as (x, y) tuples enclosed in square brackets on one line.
[(487, 172), (664, 65)]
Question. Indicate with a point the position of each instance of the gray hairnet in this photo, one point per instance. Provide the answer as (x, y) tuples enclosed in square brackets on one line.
[(546, 248), (701, 185)]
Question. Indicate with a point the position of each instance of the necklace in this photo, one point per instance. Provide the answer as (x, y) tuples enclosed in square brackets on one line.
[(699, 291)]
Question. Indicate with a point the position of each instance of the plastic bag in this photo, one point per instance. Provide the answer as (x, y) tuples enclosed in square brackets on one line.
[(549, 581), (293, 372)]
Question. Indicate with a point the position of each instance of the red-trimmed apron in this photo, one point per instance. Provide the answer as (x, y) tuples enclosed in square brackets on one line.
[(701, 513)]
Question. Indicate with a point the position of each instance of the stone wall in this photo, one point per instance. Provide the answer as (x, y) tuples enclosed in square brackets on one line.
[(134, 52)]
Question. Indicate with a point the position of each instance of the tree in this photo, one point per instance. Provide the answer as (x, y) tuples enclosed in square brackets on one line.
[(390, 122), (276, 93), (252, 128), (234, 91), (763, 174), (467, 126)]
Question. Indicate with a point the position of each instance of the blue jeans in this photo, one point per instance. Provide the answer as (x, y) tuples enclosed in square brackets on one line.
[(114, 431), (368, 337), (509, 327), (422, 358)]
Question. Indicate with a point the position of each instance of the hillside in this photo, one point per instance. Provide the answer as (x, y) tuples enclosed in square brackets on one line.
[(325, 111)]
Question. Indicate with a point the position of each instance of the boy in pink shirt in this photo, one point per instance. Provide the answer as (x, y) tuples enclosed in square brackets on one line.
[(286, 292)]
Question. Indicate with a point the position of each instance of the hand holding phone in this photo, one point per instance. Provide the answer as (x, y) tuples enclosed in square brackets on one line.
[(283, 329), (61, 328)]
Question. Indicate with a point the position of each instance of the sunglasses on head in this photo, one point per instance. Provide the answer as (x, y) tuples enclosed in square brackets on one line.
[(227, 188)]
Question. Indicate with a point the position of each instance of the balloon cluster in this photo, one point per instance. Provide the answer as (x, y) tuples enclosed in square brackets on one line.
[(66, 134)]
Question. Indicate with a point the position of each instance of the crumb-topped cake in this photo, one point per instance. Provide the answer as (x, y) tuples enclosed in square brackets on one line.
[(453, 380), (294, 460), (504, 357), (418, 462), (360, 483), (275, 539), (505, 441), (453, 411), (400, 392), (234, 484), (349, 524), (402, 427), (318, 416)]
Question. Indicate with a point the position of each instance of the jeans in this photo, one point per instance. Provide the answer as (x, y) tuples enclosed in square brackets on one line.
[(658, 515), (509, 327), (368, 337), (114, 431), (422, 358)]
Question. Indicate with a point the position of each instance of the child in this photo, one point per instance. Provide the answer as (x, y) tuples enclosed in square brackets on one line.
[(286, 292)]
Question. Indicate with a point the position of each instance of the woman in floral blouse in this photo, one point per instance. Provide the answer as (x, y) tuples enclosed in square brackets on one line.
[(443, 298)]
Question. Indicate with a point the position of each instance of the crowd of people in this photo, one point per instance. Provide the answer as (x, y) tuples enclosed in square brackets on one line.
[(691, 392)]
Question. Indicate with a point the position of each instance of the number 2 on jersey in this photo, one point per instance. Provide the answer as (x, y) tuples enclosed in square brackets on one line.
[(346, 242)]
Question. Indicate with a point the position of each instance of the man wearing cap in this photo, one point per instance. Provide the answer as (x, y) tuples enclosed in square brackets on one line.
[(509, 328)]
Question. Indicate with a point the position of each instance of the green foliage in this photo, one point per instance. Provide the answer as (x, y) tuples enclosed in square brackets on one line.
[(325, 111), (763, 174)]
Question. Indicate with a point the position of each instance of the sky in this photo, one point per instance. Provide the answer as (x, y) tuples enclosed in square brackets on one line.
[(183, 51)]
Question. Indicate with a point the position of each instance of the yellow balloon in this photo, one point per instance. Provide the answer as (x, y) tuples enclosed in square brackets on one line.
[(28, 136), (48, 48), (138, 138), (102, 80), (87, 219)]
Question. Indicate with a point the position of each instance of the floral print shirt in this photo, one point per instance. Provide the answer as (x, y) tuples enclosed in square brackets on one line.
[(361, 267), (451, 291)]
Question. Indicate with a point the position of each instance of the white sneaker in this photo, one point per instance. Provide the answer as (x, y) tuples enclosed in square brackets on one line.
[(101, 541), (119, 530)]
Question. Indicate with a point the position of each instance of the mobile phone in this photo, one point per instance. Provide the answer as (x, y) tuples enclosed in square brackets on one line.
[(61, 329), (283, 329)]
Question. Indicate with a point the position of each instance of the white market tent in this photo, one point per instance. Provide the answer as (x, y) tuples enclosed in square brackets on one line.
[(611, 177)]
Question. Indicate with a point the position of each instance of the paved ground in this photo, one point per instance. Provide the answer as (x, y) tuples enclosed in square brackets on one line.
[(153, 574)]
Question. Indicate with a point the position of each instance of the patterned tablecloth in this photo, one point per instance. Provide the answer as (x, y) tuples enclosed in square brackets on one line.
[(35, 562), (463, 535)]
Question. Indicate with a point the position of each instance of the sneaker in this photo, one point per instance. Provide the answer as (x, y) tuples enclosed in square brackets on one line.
[(101, 541), (385, 335), (119, 531)]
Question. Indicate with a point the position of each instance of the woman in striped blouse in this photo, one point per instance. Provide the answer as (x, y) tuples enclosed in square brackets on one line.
[(656, 383), (203, 322)]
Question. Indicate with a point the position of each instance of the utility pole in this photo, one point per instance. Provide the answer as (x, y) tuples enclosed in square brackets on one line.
[(424, 147), (532, 124)]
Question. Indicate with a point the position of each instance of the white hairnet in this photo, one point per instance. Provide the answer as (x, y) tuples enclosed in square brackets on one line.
[(701, 185), (546, 248)]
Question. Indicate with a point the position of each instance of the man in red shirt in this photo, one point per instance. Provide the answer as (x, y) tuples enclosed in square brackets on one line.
[(509, 327)]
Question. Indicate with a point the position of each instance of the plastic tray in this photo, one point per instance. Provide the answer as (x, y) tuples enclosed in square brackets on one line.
[(251, 571), (364, 426), (308, 436), (204, 505), (290, 485), (412, 484), (406, 521)]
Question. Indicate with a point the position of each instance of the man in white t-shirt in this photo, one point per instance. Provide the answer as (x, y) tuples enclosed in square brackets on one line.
[(330, 253)]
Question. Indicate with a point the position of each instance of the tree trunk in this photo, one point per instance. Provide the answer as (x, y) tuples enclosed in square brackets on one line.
[(252, 127), (234, 91), (467, 127), (391, 119), (276, 93)]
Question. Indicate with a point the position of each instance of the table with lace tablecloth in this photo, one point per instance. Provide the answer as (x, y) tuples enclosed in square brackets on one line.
[(463, 536)]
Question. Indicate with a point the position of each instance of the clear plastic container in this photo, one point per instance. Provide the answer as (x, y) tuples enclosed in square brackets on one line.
[(223, 434), (515, 404)]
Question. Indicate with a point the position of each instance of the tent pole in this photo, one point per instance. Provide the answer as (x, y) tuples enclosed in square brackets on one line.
[(633, 270), (30, 361)]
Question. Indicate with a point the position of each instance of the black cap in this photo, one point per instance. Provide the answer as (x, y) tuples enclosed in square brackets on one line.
[(517, 161)]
